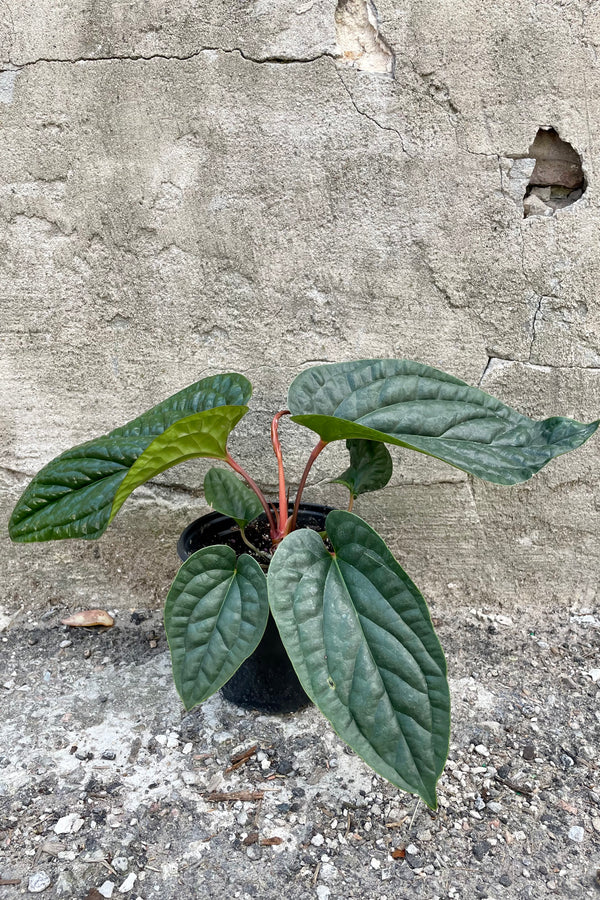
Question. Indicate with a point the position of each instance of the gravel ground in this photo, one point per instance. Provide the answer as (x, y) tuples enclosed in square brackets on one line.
[(107, 787)]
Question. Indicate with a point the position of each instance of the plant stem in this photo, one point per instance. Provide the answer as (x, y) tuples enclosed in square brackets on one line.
[(251, 545), (283, 507), (351, 503), (251, 483), (315, 452)]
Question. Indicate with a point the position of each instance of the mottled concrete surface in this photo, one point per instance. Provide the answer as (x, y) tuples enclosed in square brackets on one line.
[(104, 778), (220, 186)]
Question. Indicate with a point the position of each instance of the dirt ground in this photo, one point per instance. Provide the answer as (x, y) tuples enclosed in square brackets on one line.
[(108, 788)]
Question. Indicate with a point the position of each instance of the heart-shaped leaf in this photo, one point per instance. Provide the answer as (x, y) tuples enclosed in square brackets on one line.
[(412, 405), (73, 495), (228, 495), (360, 638), (370, 467), (215, 615)]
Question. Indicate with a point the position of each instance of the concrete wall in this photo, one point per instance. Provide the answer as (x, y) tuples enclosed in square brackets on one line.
[(255, 187)]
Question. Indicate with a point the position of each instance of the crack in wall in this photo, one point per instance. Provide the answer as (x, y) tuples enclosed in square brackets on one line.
[(496, 362), (485, 370), (536, 313), (471, 492), (371, 118), (258, 60)]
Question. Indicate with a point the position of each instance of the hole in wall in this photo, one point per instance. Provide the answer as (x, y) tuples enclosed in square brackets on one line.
[(358, 39), (557, 180)]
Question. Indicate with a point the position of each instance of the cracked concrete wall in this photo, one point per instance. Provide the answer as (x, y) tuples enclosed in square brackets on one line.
[(217, 186)]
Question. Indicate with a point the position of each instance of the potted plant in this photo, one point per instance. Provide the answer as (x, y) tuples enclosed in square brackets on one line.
[(355, 627)]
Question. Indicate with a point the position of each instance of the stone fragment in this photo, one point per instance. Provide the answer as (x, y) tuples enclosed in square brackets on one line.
[(576, 833), (68, 824), (120, 864), (543, 193), (518, 172), (106, 889), (481, 849), (38, 882), (533, 206), (557, 162), (128, 883), (358, 38)]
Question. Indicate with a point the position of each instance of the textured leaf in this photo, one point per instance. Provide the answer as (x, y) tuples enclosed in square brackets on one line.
[(73, 495), (228, 495), (412, 405), (215, 615), (203, 434), (370, 467), (360, 638)]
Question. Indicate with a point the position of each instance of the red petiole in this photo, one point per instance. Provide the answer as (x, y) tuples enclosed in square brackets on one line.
[(282, 518), (280, 523)]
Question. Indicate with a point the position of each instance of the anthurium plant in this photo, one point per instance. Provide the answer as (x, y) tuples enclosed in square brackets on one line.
[(355, 627)]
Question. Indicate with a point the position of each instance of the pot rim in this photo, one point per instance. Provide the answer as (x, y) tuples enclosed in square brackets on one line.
[(226, 522)]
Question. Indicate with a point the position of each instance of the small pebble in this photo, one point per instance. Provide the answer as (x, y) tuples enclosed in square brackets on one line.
[(120, 864), (84, 755), (481, 849), (576, 833), (529, 752), (128, 883), (67, 824), (38, 882), (65, 644), (106, 889), (317, 840), (482, 750), (109, 754)]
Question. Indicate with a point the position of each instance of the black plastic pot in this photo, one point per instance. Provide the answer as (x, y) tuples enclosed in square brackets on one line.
[(266, 681)]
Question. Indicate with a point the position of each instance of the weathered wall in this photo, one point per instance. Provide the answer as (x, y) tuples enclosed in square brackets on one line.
[(226, 186)]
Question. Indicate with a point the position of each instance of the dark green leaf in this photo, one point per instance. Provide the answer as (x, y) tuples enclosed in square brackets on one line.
[(228, 495), (412, 405), (215, 615), (360, 638), (73, 495), (370, 467)]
